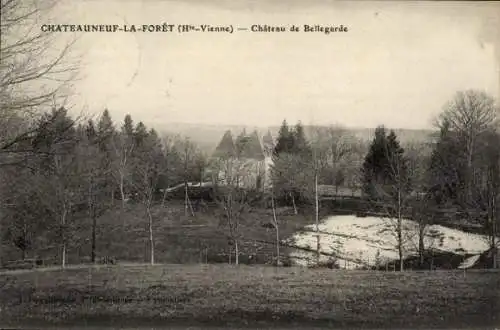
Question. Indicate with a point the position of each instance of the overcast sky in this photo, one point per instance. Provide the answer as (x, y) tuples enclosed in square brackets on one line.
[(397, 65)]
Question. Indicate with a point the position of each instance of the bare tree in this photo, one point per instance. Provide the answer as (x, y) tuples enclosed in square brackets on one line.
[(488, 191), (423, 213), (33, 76), (418, 158), (60, 192), (123, 146), (172, 162), (276, 227), (334, 149), (148, 167), (330, 150), (232, 199), (187, 152), (200, 163), (315, 172), (469, 115)]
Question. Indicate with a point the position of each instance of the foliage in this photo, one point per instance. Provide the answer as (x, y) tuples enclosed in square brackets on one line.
[(385, 168)]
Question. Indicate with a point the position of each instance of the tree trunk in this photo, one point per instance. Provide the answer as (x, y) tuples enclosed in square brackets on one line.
[(400, 246), (421, 246), (469, 145), (122, 191), (494, 232), (163, 200), (92, 216), (237, 253), (202, 174), (190, 206), (151, 240), (63, 236), (94, 225), (317, 215), (494, 246), (294, 205), (25, 240), (185, 198), (277, 230), (1, 241), (165, 192), (400, 232), (63, 263)]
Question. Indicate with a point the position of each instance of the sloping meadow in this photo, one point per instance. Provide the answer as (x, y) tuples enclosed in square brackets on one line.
[(223, 295)]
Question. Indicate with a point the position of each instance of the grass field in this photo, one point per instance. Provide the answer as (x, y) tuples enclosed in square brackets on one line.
[(247, 296)]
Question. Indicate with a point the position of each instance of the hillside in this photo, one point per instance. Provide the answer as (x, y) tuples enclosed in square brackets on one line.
[(179, 238), (203, 238)]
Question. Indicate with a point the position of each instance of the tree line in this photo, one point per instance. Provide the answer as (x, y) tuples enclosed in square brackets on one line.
[(78, 171), (454, 173)]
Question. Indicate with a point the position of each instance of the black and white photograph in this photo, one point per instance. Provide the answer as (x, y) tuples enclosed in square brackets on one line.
[(236, 164)]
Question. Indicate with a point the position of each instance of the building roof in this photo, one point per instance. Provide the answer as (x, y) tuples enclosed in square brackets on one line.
[(250, 146), (246, 146), (226, 147)]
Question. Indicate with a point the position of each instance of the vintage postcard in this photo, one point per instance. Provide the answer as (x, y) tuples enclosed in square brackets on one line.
[(249, 164)]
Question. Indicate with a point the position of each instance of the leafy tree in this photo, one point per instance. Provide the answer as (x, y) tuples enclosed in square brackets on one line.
[(58, 179), (291, 171), (291, 179), (398, 167), (375, 165), (95, 170), (285, 140), (105, 128), (463, 170), (387, 184), (140, 134), (446, 169), (300, 144), (128, 126), (23, 218), (105, 136)]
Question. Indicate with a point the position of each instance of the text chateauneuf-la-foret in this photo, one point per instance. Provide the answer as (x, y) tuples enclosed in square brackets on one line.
[(188, 28)]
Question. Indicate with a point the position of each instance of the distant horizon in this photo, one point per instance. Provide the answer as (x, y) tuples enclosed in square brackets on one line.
[(219, 125), (208, 136)]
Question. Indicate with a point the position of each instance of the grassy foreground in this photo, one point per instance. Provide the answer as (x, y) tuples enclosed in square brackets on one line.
[(247, 296)]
